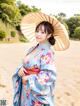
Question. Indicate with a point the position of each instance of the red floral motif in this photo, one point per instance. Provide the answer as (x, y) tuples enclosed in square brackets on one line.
[(46, 58), (27, 95), (36, 103)]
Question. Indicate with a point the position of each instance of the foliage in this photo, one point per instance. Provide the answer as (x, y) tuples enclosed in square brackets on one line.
[(34, 9), (10, 14), (11, 2), (12, 11), (77, 33), (13, 33), (7, 28), (61, 14), (25, 9), (5, 18), (22, 38), (72, 23), (2, 34)]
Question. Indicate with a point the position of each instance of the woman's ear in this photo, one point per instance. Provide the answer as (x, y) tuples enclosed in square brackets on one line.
[(48, 36)]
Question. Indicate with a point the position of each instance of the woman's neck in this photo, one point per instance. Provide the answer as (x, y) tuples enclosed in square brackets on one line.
[(45, 45)]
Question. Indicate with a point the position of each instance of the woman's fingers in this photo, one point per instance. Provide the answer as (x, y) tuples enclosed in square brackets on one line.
[(24, 80), (21, 72)]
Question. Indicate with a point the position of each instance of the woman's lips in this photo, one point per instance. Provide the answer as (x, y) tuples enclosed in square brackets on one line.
[(38, 38)]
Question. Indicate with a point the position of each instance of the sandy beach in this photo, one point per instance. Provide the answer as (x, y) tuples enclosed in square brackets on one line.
[(67, 90)]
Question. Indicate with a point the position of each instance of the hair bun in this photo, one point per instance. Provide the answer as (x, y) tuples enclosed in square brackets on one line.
[(52, 40)]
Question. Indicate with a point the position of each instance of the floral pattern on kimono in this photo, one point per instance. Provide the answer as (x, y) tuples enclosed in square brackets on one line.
[(39, 88)]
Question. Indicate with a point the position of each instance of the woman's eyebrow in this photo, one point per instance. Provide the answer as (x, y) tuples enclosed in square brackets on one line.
[(40, 29)]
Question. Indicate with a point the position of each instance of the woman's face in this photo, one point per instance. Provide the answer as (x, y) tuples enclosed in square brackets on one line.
[(41, 35)]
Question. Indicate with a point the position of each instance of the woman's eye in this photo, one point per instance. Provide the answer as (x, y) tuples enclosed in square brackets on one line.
[(42, 32)]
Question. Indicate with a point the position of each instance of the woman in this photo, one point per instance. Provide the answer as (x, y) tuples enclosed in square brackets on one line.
[(35, 89)]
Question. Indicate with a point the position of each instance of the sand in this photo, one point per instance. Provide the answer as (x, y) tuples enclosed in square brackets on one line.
[(67, 89)]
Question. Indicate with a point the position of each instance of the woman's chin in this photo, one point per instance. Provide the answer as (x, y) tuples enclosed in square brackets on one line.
[(38, 40)]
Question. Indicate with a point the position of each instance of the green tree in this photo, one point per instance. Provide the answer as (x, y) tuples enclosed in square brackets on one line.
[(24, 9), (5, 18), (77, 33), (61, 17), (10, 14), (2, 34), (62, 14), (72, 23), (11, 2), (7, 9), (76, 14), (34, 9)]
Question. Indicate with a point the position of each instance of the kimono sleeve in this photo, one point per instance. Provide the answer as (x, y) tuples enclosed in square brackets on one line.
[(46, 78), (47, 75), (16, 79), (17, 84)]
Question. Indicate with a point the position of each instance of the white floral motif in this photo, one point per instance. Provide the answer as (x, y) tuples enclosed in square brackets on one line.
[(43, 78), (46, 58)]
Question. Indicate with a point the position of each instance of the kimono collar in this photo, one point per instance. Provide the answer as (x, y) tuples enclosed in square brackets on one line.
[(45, 45)]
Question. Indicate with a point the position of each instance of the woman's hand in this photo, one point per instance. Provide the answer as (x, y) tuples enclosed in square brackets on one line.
[(24, 80), (21, 72)]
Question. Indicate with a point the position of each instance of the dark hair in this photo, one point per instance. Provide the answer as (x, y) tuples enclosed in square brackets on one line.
[(48, 28)]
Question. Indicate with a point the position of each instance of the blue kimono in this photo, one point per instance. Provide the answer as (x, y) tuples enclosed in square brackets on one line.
[(38, 89)]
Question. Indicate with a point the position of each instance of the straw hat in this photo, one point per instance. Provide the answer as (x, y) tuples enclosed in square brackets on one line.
[(28, 25)]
